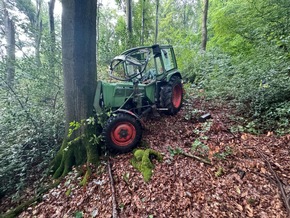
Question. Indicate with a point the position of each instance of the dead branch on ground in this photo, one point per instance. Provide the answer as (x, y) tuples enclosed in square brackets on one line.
[(114, 204), (286, 199), (196, 157)]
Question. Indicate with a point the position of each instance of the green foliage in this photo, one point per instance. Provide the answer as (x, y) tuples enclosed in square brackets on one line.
[(257, 83), (79, 146), (79, 214), (31, 124), (114, 38), (111, 32), (32, 109), (90, 134), (175, 151), (239, 25), (199, 148), (248, 61), (142, 161), (146, 9), (222, 155)]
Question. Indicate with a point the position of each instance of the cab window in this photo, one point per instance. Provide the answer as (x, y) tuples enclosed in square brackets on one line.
[(167, 56)]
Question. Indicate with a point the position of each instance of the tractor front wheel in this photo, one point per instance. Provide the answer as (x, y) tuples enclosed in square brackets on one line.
[(171, 96), (122, 132)]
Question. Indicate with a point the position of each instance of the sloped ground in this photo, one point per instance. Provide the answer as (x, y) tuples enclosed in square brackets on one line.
[(238, 184)]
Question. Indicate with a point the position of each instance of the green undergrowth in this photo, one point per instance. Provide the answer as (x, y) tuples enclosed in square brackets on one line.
[(142, 161), (256, 84)]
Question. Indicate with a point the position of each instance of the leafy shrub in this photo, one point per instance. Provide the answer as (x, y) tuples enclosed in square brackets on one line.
[(31, 125), (257, 83)]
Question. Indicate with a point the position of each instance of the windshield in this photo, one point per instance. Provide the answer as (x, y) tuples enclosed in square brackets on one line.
[(125, 67)]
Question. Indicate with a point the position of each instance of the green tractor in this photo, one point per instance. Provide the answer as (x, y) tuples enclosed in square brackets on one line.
[(144, 80)]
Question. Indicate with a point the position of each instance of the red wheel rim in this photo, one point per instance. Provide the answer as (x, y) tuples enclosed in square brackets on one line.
[(177, 96), (123, 134)]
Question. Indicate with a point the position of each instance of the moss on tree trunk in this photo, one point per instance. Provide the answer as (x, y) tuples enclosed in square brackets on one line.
[(78, 151)]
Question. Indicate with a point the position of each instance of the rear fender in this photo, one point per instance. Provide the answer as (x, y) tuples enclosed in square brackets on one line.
[(175, 73), (132, 114)]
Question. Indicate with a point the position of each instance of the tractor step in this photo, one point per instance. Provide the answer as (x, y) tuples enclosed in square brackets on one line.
[(162, 109)]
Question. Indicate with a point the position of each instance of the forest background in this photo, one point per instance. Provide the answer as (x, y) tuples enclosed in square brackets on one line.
[(245, 63)]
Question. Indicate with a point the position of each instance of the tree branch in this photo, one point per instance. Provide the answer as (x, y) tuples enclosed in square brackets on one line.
[(197, 158), (286, 199), (114, 204)]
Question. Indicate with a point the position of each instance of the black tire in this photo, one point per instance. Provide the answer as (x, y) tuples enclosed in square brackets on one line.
[(171, 96), (121, 133)]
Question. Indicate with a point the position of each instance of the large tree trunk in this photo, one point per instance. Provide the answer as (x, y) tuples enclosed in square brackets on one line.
[(79, 67), (10, 39), (204, 26)]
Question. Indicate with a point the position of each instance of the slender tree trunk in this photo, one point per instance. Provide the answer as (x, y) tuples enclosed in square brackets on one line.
[(129, 21), (38, 32), (142, 23), (79, 68), (156, 21), (184, 14), (10, 39), (204, 26), (98, 31), (51, 4), (196, 17)]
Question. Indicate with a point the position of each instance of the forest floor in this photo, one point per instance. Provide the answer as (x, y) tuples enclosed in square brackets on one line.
[(239, 183)]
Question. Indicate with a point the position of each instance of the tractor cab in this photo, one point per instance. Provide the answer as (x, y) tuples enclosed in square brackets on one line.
[(143, 64)]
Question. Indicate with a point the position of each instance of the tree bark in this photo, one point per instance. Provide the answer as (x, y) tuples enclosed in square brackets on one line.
[(51, 4), (79, 68), (38, 32), (204, 26), (184, 14), (142, 23), (129, 21), (10, 40), (156, 21)]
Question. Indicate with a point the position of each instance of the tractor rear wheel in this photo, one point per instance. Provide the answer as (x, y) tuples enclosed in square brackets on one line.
[(122, 132), (171, 96)]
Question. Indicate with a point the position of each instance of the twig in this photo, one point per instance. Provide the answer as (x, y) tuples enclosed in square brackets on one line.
[(286, 199), (114, 204), (197, 158)]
